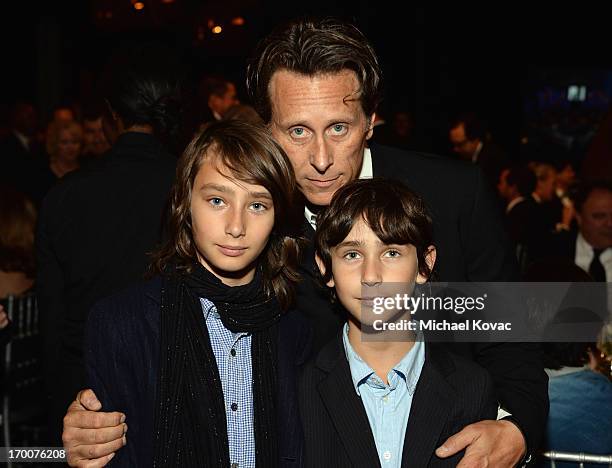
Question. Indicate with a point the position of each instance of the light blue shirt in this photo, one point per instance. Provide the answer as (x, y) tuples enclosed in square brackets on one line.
[(233, 355), (387, 406)]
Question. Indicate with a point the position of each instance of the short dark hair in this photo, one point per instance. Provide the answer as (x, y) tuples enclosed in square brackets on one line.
[(395, 214), (313, 47), (584, 190), (523, 178), (142, 84), (212, 85), (252, 156), (474, 128)]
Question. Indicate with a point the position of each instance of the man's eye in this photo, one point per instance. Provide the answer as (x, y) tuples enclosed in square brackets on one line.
[(298, 132), (339, 129)]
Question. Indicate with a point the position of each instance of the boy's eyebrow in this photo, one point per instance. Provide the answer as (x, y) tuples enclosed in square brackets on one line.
[(220, 188), (352, 243), (260, 195), (223, 188)]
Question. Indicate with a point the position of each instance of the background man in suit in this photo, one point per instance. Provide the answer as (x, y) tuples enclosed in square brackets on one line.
[(469, 140), (591, 246), (317, 84)]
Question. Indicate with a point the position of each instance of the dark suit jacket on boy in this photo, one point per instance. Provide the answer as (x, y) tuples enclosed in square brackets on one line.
[(452, 392), (122, 360)]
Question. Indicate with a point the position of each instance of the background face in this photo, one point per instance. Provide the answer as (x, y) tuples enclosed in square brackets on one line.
[(595, 219), (231, 222), (322, 132), (68, 146)]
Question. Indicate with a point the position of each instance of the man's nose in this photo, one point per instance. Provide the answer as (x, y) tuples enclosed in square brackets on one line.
[(321, 157)]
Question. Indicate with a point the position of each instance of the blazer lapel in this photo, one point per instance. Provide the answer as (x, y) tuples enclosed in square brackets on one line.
[(430, 409), (346, 410)]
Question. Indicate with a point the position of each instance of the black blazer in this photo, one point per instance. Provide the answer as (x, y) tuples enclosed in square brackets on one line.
[(472, 246), (122, 361), (452, 392)]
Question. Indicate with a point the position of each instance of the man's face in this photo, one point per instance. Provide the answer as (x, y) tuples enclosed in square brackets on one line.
[(321, 125), (363, 267), (595, 219), (231, 222), (461, 144), (545, 186), (222, 103), (94, 141), (503, 188)]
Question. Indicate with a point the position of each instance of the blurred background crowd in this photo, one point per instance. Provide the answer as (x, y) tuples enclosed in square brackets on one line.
[(525, 95)]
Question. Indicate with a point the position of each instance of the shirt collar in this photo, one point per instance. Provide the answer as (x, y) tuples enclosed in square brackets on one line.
[(367, 172), (477, 152), (408, 369), (513, 203)]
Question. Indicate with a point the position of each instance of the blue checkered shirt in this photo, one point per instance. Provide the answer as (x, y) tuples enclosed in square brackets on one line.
[(233, 354)]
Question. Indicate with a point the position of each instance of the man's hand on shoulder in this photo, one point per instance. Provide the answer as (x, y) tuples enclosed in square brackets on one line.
[(92, 437), (498, 444)]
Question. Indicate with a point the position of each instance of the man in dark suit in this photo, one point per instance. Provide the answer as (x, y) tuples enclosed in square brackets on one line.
[(317, 85), (469, 140), (97, 227), (18, 149), (523, 218), (590, 247)]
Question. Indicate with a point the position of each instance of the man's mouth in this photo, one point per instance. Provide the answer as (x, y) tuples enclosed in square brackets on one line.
[(323, 183)]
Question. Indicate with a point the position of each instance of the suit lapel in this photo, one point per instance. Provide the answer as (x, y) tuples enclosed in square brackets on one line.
[(430, 409), (346, 410)]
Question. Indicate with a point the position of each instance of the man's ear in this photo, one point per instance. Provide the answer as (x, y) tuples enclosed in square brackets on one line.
[(321, 266), (430, 259), (371, 126)]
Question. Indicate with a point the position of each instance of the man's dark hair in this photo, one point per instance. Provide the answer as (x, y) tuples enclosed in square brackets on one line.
[(395, 214), (523, 178), (142, 85), (474, 128), (212, 85), (582, 192), (93, 109), (314, 47)]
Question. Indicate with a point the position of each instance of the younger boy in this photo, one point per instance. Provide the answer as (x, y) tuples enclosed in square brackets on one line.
[(366, 401)]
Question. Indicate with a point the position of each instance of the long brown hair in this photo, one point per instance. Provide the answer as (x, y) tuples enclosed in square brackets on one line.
[(252, 156)]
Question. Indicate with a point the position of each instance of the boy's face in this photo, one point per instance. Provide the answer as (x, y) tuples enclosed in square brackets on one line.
[(364, 267), (231, 222)]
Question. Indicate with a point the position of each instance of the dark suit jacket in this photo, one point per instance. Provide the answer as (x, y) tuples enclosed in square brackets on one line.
[(452, 392), (122, 359), (472, 246), (95, 229), (492, 161)]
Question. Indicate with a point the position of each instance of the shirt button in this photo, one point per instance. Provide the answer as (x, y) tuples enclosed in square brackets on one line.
[(233, 352), (387, 455), (386, 398), (234, 407)]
